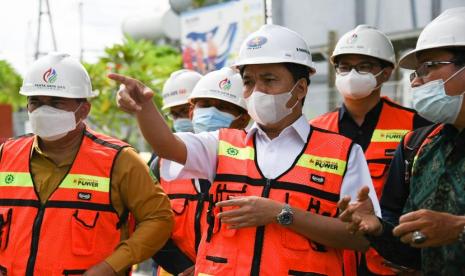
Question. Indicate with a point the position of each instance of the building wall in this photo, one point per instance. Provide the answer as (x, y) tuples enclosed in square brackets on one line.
[(314, 18)]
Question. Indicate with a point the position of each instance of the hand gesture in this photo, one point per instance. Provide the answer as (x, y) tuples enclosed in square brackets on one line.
[(360, 215), (133, 95)]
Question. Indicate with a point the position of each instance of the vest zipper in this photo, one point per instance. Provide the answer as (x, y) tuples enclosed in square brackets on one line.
[(35, 240), (259, 237)]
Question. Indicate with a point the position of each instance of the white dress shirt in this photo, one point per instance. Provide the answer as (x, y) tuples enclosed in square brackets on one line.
[(274, 156)]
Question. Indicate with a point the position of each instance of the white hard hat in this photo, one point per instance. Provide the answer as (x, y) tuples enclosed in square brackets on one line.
[(445, 31), (178, 87), (224, 84), (57, 75), (275, 44), (365, 40)]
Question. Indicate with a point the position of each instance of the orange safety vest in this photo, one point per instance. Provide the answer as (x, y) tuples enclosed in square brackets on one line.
[(313, 184), (189, 207), (394, 122), (76, 228)]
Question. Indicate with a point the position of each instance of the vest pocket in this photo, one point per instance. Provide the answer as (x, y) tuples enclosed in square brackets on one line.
[(178, 205), (229, 191), (73, 271), (289, 238), (303, 273), (219, 260), (377, 170), (5, 225), (83, 231)]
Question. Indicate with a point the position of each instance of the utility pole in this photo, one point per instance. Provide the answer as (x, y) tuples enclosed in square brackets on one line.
[(81, 33), (332, 95), (39, 25), (435, 8)]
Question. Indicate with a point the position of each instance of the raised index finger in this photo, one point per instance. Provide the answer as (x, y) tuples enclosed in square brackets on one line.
[(121, 78)]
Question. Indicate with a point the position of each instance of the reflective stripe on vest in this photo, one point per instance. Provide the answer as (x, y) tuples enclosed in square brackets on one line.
[(312, 184), (393, 123), (76, 227), (189, 207)]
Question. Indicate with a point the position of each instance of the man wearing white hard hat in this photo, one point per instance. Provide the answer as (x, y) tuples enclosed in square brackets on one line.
[(424, 200), (67, 193), (364, 59), (216, 102), (265, 179), (176, 92)]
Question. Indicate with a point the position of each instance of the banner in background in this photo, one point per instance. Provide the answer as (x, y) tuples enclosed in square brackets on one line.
[(211, 36)]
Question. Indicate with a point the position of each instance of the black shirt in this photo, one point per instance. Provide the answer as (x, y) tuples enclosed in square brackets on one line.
[(362, 134)]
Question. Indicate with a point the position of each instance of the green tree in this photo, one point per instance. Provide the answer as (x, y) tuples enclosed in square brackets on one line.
[(10, 83), (149, 63)]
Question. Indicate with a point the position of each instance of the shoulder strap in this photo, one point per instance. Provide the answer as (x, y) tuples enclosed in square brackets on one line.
[(411, 144), (155, 167), (414, 139)]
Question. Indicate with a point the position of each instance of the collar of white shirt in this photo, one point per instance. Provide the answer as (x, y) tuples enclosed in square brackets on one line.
[(301, 127)]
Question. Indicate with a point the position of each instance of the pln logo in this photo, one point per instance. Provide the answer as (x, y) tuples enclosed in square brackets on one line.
[(225, 84), (9, 178), (232, 151), (256, 42), (50, 76), (352, 39)]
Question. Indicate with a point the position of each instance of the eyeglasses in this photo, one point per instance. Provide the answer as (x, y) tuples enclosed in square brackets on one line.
[(425, 68), (361, 68), (177, 113)]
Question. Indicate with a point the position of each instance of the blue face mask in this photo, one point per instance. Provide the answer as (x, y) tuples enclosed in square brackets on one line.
[(183, 125), (210, 119), (433, 104)]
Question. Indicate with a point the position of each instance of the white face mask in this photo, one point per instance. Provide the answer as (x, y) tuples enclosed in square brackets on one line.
[(50, 123), (267, 109), (432, 102), (355, 85)]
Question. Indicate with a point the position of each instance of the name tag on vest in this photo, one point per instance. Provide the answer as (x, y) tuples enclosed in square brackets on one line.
[(317, 179), (389, 152), (84, 196)]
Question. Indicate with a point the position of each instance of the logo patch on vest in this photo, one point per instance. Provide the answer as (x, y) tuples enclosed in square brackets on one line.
[(232, 151), (84, 196), (87, 182), (9, 178), (317, 179), (320, 163), (388, 135)]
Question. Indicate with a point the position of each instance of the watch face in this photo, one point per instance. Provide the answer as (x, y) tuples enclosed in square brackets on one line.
[(285, 218)]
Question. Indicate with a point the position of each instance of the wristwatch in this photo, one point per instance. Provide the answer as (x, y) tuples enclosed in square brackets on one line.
[(462, 237), (286, 217)]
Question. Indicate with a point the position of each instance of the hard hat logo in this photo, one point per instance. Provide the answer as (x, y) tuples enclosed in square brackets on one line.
[(50, 76), (225, 84), (352, 39), (256, 42)]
